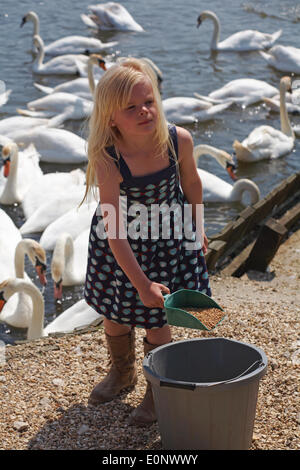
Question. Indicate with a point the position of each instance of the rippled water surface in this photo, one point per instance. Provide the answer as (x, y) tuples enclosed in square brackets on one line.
[(172, 40)]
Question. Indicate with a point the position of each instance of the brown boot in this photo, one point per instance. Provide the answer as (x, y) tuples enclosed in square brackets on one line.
[(122, 373), (144, 414)]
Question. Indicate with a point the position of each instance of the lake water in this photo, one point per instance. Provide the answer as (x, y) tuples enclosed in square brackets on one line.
[(181, 50)]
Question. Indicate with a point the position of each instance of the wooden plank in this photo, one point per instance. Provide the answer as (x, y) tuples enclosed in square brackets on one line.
[(266, 245), (217, 248), (224, 234), (237, 267), (248, 219), (290, 217)]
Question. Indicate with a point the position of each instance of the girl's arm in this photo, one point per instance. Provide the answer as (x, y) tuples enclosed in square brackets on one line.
[(189, 177), (109, 188)]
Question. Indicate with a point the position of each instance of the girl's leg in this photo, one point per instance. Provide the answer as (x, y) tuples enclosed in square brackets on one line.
[(159, 336), (115, 329), (145, 414), (120, 340)]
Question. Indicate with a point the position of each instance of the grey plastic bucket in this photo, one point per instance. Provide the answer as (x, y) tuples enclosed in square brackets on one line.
[(205, 392)]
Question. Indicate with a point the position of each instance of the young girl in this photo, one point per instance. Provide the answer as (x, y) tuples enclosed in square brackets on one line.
[(133, 152)]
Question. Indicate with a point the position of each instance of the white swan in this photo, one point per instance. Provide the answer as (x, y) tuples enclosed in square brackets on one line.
[(217, 190), (61, 106), (9, 238), (79, 315), (68, 64), (76, 220), (12, 125), (4, 95), (68, 44), (49, 210), (110, 16), (222, 157), (83, 86), (21, 170), (188, 110), (69, 261), (54, 145), (266, 142), (296, 130), (247, 40), (242, 91), (49, 186), (283, 58), (274, 104), (17, 311)]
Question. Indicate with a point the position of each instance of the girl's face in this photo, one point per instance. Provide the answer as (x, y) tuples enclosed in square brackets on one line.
[(139, 117)]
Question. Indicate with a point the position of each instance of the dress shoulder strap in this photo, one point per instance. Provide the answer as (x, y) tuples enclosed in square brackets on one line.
[(121, 165), (173, 135)]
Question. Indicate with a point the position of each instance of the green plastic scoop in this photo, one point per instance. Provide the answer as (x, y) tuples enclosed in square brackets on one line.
[(175, 303)]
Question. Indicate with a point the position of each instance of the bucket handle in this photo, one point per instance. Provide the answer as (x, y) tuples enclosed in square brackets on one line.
[(259, 363)]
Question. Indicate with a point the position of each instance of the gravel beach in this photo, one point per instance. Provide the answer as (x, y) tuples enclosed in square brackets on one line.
[(45, 384)]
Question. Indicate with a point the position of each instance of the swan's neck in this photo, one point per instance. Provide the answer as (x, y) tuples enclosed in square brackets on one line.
[(36, 23), (204, 149), (69, 257), (242, 187), (36, 325), (40, 54), (20, 259), (63, 258), (91, 77), (216, 33), (286, 127), (10, 192)]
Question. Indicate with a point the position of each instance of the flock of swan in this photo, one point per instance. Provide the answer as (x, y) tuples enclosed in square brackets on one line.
[(50, 201)]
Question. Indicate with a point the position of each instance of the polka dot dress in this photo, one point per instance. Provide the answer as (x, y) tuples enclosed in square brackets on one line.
[(161, 249)]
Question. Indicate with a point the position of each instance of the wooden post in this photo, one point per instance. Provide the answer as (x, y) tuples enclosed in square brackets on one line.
[(266, 245)]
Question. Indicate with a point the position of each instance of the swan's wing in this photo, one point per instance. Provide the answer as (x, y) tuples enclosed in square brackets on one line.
[(51, 209), (4, 97), (288, 54), (244, 90), (268, 142), (9, 238), (11, 125), (209, 113), (45, 89), (57, 145), (259, 137), (207, 98), (76, 220), (284, 58), (88, 21), (249, 40), (46, 188), (114, 16), (77, 316)]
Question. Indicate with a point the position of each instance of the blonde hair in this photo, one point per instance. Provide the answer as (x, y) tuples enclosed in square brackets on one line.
[(113, 92)]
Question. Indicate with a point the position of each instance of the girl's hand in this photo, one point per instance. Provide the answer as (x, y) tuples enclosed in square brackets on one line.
[(151, 295), (205, 244)]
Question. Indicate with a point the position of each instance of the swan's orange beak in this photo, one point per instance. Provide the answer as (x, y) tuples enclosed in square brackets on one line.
[(58, 290), (230, 167), (2, 301), (41, 270), (102, 64), (6, 167)]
